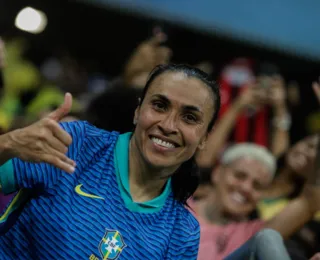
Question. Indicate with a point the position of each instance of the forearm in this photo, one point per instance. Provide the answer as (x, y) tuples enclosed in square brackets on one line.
[(280, 137), (219, 136), (5, 148), (133, 68), (292, 217)]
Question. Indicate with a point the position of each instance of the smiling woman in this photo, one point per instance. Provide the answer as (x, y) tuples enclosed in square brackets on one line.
[(178, 107), (127, 193)]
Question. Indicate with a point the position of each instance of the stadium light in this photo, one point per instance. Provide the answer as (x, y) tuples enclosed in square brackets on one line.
[(31, 20)]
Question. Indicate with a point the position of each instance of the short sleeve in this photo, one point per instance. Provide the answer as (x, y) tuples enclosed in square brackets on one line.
[(7, 181), (43, 175), (184, 244)]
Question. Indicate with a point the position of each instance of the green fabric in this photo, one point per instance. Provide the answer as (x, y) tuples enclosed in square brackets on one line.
[(122, 172)]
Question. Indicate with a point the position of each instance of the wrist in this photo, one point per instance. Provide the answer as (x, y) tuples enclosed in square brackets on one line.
[(280, 109), (7, 147), (309, 196), (282, 121), (240, 104)]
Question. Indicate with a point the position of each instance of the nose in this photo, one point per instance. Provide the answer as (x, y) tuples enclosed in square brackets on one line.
[(168, 124), (247, 187)]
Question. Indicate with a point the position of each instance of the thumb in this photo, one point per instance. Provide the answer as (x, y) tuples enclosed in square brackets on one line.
[(157, 39), (63, 109)]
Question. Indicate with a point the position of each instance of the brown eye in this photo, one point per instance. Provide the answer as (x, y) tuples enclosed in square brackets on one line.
[(190, 118), (258, 186), (239, 175), (159, 106)]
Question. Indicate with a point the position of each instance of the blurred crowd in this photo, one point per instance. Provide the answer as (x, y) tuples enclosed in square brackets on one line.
[(251, 175)]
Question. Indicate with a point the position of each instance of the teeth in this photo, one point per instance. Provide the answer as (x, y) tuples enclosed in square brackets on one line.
[(238, 197), (162, 143)]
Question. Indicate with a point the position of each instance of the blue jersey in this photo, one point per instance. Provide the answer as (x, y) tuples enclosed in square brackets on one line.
[(90, 214)]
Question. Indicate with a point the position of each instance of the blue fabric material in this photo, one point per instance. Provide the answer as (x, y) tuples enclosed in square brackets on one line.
[(82, 215)]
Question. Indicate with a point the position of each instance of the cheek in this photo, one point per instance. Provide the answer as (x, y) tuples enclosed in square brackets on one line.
[(224, 184), (146, 119), (193, 135), (256, 196), (230, 180)]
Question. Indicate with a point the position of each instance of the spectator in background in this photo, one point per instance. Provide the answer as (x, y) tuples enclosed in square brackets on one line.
[(104, 110), (245, 171), (144, 58), (244, 109), (291, 176), (20, 77)]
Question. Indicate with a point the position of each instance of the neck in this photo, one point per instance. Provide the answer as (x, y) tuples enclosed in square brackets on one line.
[(146, 182), (281, 186), (212, 211)]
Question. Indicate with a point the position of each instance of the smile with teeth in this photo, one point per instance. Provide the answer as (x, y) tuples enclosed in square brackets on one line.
[(237, 197), (162, 143)]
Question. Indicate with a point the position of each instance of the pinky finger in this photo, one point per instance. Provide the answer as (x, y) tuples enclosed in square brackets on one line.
[(57, 162), (62, 157), (66, 159)]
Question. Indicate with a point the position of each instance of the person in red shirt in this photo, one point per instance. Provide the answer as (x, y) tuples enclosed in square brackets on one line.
[(253, 109)]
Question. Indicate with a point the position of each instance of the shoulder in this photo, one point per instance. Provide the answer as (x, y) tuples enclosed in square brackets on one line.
[(83, 129), (185, 237), (252, 224), (246, 229), (89, 141), (186, 222)]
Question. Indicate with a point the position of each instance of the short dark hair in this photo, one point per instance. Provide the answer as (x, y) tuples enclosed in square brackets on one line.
[(186, 179)]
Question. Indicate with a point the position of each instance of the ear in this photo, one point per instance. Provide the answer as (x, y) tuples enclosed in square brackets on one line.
[(216, 174), (136, 115), (203, 142)]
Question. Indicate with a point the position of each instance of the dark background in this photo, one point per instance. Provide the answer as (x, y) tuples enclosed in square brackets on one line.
[(102, 39)]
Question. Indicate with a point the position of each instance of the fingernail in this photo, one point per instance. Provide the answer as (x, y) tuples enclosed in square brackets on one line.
[(72, 169)]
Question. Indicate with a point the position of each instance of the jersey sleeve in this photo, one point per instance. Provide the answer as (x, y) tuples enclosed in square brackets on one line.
[(7, 181), (42, 175), (184, 244)]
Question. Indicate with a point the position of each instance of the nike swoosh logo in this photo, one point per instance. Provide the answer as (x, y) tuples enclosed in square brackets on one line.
[(81, 193)]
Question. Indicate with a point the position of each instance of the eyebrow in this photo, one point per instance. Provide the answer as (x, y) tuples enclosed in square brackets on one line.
[(185, 107)]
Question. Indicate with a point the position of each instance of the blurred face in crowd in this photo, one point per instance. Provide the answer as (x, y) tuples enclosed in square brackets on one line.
[(239, 185), (172, 121), (300, 157)]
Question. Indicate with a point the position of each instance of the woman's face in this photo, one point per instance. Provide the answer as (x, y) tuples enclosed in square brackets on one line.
[(172, 121), (239, 185), (301, 156)]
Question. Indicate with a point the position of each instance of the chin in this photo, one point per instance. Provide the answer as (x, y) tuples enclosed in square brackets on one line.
[(160, 161), (236, 211)]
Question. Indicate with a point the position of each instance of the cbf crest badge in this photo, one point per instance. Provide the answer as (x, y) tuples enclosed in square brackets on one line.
[(111, 245)]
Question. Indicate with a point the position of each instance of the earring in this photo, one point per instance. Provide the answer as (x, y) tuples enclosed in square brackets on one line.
[(134, 122)]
